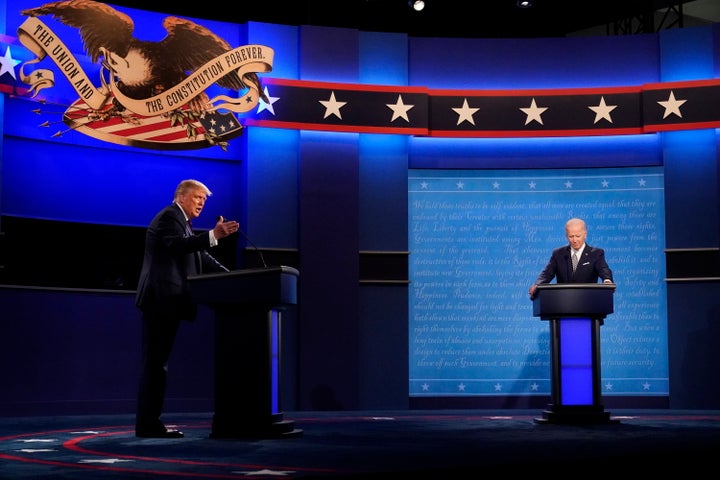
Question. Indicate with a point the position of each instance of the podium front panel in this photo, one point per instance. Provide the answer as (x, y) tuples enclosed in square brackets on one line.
[(576, 361)]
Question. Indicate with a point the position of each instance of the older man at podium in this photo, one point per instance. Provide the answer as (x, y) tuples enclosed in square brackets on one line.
[(576, 262)]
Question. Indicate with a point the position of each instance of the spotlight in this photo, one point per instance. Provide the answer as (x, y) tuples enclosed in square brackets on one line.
[(524, 3), (417, 5)]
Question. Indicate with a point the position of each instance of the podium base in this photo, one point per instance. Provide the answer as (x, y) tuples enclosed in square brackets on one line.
[(244, 428), (576, 415)]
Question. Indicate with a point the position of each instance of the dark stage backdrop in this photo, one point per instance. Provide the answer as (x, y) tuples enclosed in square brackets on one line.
[(479, 238)]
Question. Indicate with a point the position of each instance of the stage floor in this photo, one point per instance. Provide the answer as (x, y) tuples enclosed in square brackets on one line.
[(450, 444)]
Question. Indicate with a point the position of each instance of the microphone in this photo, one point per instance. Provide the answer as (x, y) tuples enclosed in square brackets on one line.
[(262, 259)]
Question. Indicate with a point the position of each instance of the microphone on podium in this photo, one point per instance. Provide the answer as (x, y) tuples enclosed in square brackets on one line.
[(262, 259)]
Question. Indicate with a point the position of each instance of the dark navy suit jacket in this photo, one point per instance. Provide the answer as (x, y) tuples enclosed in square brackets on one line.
[(591, 267), (172, 252)]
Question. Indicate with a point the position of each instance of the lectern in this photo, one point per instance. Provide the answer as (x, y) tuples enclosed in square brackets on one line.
[(576, 311), (248, 306)]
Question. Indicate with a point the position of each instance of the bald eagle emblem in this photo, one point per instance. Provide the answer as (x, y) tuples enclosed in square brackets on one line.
[(183, 91)]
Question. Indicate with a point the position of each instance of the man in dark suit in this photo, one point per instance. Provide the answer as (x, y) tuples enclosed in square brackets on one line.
[(172, 252), (590, 265)]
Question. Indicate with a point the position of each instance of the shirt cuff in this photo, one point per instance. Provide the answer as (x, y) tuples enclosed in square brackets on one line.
[(213, 240)]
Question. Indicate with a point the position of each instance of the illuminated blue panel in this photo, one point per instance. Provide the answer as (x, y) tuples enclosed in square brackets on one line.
[(383, 58), (585, 152), (283, 39), (576, 361), (534, 63), (78, 184), (274, 361), (687, 54)]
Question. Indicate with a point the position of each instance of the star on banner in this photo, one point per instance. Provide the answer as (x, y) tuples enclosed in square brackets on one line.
[(399, 109), (8, 63), (672, 106), (602, 111), (533, 112), (465, 113), (332, 106), (109, 461), (268, 472), (263, 105)]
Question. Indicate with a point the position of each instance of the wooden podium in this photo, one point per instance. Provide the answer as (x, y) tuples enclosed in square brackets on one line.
[(248, 306), (576, 311)]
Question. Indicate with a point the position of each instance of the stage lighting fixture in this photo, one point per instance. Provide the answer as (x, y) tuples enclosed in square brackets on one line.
[(417, 5)]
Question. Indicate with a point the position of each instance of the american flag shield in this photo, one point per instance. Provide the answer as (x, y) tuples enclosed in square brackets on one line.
[(179, 130)]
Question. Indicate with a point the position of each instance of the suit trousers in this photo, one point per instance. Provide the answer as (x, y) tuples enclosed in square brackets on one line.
[(159, 329)]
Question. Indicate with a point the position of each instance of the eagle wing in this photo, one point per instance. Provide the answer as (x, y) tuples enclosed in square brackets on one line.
[(191, 46), (99, 25)]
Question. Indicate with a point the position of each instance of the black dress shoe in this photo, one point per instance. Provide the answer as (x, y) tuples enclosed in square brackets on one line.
[(163, 434)]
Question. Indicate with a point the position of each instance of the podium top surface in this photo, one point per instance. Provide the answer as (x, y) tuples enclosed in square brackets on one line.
[(563, 300), (280, 269), (250, 286), (572, 286)]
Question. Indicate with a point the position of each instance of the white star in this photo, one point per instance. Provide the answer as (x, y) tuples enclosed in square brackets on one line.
[(641, 182), (7, 64), (105, 460), (498, 387), (605, 183), (425, 387), (568, 184), (672, 106), (532, 185), (262, 105), (646, 386), (534, 387), (461, 387), (332, 106), (266, 471), (533, 112), (608, 386), (496, 185), (603, 111), (465, 113), (399, 109), (424, 185), (460, 185)]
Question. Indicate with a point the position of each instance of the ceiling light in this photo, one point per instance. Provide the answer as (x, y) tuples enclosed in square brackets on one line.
[(524, 3), (417, 5)]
